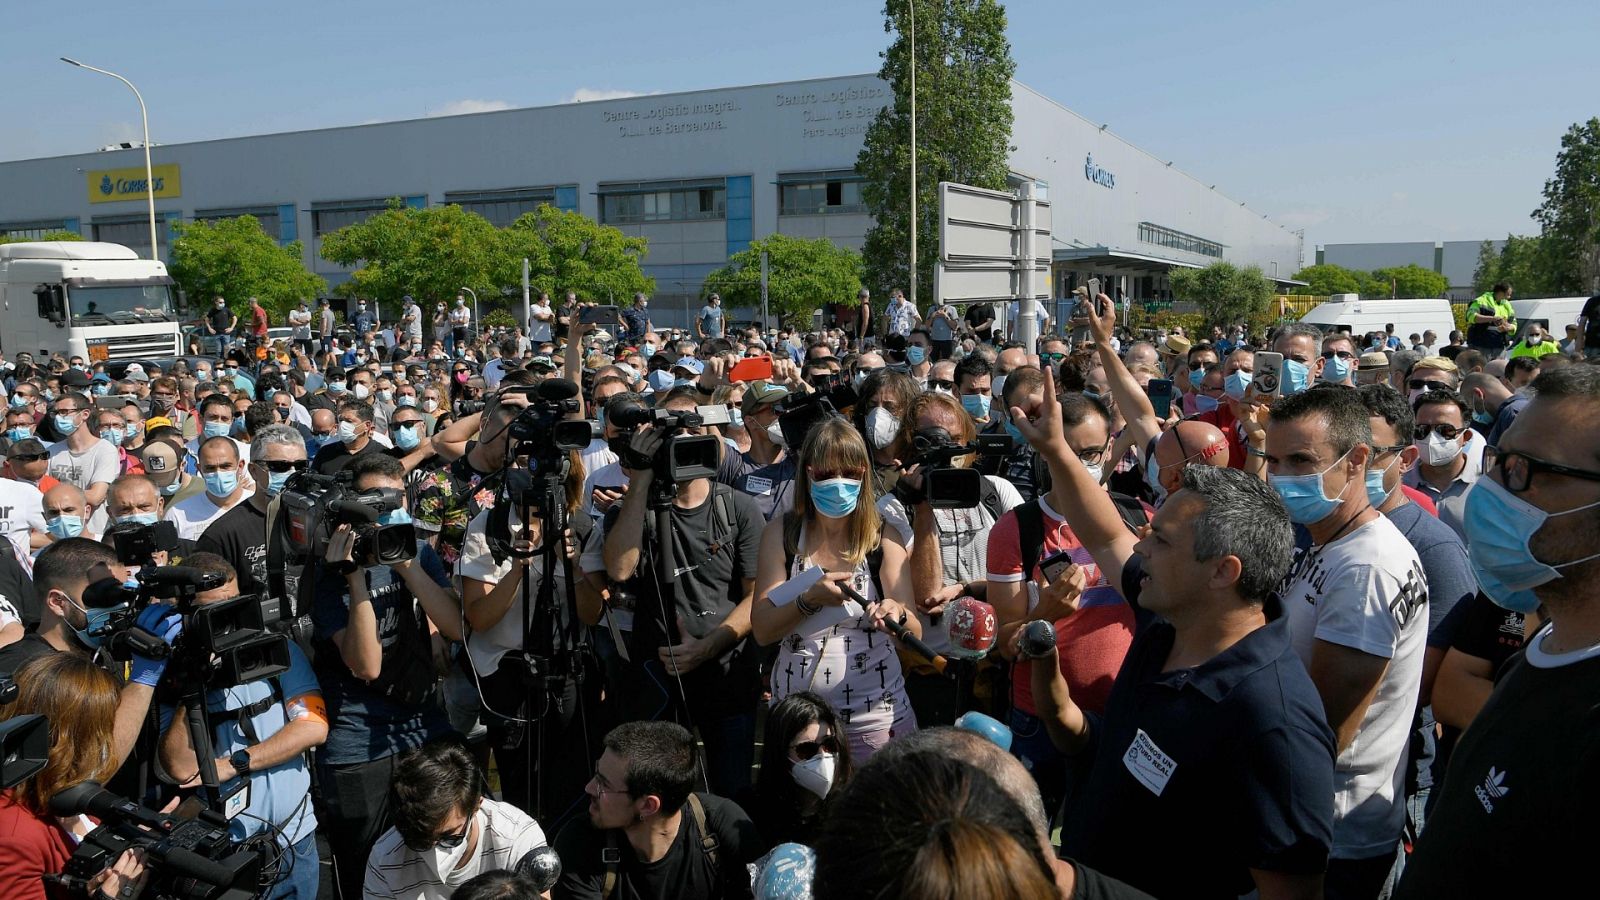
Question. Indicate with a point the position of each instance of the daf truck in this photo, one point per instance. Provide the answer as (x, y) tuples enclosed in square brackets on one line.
[(83, 298)]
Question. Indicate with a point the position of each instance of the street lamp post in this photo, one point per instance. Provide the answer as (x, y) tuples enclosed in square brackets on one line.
[(149, 172), (477, 323), (912, 5)]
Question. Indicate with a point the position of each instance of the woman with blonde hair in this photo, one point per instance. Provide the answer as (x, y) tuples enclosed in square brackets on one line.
[(79, 699), (828, 644)]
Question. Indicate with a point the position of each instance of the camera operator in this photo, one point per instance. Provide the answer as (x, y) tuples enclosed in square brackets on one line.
[(949, 553), (604, 485), (133, 501), (79, 699), (375, 664), (701, 641), (446, 831), (261, 733), (446, 500), (496, 674)]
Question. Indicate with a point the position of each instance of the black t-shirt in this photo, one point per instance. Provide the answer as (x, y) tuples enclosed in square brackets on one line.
[(333, 457), (686, 871), (220, 319), (981, 317), (1591, 314), (240, 537), (14, 656)]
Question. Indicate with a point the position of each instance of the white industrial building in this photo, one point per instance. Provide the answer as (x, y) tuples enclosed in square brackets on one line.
[(1457, 261)]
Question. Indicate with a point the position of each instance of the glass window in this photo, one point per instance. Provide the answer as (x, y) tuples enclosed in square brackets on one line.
[(819, 193), (33, 230), (120, 303), (133, 234), (650, 203), (1177, 240)]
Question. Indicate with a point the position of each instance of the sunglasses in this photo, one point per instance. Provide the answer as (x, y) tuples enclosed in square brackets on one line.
[(32, 457), (1420, 384), (808, 749), (448, 841), (408, 424), (1342, 354), (1448, 432), (939, 384), (281, 466)]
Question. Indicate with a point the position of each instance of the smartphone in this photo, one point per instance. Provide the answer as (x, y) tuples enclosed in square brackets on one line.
[(600, 315), (1053, 565), (1159, 390), (751, 368), (1267, 378)]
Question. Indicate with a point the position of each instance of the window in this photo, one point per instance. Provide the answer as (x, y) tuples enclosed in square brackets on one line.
[(502, 207), (336, 214), (663, 201), (266, 216), (1177, 240), (132, 232), (820, 193), (32, 230)]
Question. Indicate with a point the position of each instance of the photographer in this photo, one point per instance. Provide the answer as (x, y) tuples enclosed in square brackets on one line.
[(692, 630), (949, 553), (261, 732), (375, 665), (79, 700), (446, 499), (239, 536)]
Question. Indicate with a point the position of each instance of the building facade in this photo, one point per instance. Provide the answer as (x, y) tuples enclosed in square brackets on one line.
[(699, 174), (1457, 261)]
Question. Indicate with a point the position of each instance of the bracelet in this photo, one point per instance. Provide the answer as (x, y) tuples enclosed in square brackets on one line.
[(806, 609), (1255, 452)]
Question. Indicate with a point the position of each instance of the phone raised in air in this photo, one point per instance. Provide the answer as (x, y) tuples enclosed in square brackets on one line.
[(600, 315), (1266, 377), (1159, 390), (751, 368)]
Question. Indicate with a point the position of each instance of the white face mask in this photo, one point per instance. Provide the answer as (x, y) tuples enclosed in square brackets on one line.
[(775, 435), (1438, 451), (997, 386), (361, 391), (430, 404), (1095, 471), (442, 861), (815, 774), (882, 427)]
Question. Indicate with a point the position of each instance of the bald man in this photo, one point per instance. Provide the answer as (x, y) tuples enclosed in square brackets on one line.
[(1143, 352), (1188, 442), (66, 512)]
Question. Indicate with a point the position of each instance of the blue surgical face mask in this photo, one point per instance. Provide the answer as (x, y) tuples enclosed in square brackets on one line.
[(65, 425), (221, 484), (1196, 376), (171, 488), (276, 481), (238, 429), (1499, 526), (100, 390), (976, 405), (63, 527), (1376, 495), (648, 349), (335, 387), (406, 400), (18, 401), (144, 518), (1296, 377), (836, 497), (111, 436), (736, 417), (18, 433), (216, 429), (405, 436), (130, 430), (1236, 384), (1205, 404), (916, 354), (1303, 495), (394, 517), (1152, 477), (1336, 370), (1017, 438), (94, 631)]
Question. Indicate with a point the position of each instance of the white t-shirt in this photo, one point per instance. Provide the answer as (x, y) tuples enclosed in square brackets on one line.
[(1367, 591), (396, 872), (191, 515), (1039, 315), (964, 550), (539, 329), (486, 647), (609, 475), (596, 456), (100, 464), (460, 317), (21, 511)]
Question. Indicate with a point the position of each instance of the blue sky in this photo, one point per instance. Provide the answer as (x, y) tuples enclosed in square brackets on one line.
[(1354, 120)]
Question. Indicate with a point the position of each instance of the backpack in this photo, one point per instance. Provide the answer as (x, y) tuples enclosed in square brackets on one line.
[(612, 857), (1030, 526), (791, 548)]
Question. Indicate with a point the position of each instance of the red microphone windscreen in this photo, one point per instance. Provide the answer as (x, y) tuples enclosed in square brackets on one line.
[(971, 626)]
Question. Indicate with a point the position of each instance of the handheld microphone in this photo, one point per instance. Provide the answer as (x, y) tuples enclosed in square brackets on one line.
[(181, 576), (899, 631), (972, 628), (1038, 640), (542, 865), (788, 873)]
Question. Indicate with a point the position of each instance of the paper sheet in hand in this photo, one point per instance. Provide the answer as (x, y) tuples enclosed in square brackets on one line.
[(790, 591)]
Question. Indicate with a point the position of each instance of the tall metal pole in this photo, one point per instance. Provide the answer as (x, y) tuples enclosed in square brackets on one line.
[(765, 321), (477, 323), (149, 171), (912, 5), (1027, 329), (527, 301)]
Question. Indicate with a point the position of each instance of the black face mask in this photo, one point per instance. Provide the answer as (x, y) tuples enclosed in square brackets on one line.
[(619, 443)]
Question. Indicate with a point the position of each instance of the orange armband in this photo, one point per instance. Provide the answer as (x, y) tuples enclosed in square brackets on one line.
[(307, 706)]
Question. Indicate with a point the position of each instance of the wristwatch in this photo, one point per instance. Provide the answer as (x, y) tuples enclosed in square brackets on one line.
[(240, 760)]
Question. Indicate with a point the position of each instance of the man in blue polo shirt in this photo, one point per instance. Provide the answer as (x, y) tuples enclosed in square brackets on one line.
[(1211, 773), (261, 732)]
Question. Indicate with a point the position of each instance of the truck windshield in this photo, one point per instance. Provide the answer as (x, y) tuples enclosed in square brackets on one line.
[(120, 303)]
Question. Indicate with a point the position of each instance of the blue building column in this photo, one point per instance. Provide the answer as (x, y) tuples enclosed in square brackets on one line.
[(739, 214), (288, 223), (567, 198)]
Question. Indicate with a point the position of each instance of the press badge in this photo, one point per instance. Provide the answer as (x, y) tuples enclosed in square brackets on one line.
[(238, 801), (1148, 764), (758, 486)]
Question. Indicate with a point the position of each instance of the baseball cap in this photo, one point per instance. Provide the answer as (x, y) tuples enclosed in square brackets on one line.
[(160, 461), (135, 373), (541, 362), (26, 447), (74, 378), (758, 394), (689, 364)]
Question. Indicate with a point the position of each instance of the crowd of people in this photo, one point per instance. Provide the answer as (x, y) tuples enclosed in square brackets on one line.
[(1332, 637)]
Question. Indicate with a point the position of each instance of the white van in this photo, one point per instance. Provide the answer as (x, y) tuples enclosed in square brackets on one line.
[(1361, 316), (81, 298), (1557, 312)]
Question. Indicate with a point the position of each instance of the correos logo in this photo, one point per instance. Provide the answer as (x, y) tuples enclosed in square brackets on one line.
[(1096, 174), (106, 187)]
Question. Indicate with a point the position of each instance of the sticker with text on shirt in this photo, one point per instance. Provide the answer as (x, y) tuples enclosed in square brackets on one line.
[(1152, 767), (758, 486)]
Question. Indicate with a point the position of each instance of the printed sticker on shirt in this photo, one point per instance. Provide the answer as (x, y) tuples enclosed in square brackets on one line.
[(758, 486), (1148, 763)]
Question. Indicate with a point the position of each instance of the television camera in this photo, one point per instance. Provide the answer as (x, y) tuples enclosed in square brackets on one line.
[(946, 485)]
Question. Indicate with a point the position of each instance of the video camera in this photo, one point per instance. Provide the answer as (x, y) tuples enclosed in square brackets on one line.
[(682, 457), (188, 851), (948, 486), (543, 427), (799, 413), (314, 506), (24, 741)]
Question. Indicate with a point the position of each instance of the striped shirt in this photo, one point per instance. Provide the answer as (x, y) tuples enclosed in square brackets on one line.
[(396, 872)]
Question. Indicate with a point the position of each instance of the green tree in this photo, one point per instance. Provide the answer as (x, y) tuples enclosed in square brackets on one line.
[(568, 251), (963, 70), (1226, 293), (47, 236), (1409, 281), (1569, 217), (235, 259), (1326, 278), (1523, 262), (428, 253), (801, 276)]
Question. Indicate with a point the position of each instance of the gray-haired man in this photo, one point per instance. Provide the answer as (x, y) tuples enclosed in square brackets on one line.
[(240, 534)]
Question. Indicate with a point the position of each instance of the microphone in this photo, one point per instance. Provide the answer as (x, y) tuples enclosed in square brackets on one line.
[(89, 797), (556, 389), (972, 628), (788, 873), (542, 865), (899, 631), (181, 576), (986, 727), (1038, 640)]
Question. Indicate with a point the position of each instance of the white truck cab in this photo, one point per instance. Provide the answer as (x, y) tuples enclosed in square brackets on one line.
[(83, 298)]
